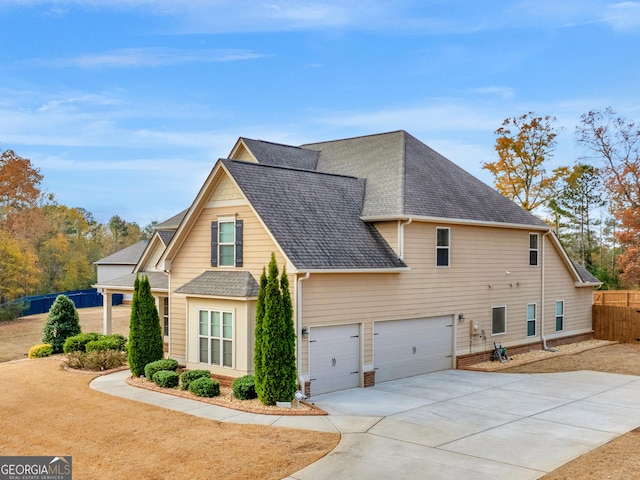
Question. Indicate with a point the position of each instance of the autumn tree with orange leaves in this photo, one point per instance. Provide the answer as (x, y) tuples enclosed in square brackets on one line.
[(525, 145), (615, 141), (19, 194)]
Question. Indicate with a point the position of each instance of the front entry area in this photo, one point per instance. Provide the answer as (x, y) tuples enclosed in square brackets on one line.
[(334, 358), (404, 348)]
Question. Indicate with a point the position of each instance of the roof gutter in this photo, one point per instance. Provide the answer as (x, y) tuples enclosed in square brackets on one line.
[(352, 270), (456, 221)]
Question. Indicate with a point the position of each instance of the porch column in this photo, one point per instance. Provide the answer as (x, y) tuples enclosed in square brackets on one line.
[(106, 312)]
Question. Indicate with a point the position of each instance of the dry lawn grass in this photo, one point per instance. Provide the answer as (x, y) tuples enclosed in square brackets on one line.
[(49, 411)]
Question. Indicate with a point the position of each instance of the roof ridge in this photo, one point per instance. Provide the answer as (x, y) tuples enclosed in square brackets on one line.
[(280, 167), (356, 137), (274, 143)]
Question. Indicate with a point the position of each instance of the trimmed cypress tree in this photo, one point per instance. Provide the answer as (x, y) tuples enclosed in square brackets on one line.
[(289, 338), (277, 382), (62, 322), (145, 334), (257, 353)]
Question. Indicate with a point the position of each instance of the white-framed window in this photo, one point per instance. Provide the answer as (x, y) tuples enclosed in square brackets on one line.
[(531, 319), (165, 316), (559, 315), (533, 249), (227, 243), (443, 246), (498, 320), (216, 337)]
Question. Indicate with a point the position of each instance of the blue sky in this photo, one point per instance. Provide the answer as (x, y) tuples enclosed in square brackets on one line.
[(125, 105)]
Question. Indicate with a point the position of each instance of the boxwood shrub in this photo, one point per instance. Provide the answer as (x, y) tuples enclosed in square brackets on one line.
[(166, 364), (244, 388), (190, 375), (78, 343), (166, 378), (205, 387), (41, 350), (107, 342)]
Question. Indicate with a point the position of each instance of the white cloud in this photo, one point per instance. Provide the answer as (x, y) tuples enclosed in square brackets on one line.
[(436, 116), (147, 57), (623, 15)]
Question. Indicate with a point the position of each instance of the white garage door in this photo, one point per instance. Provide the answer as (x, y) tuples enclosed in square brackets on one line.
[(334, 358), (403, 348)]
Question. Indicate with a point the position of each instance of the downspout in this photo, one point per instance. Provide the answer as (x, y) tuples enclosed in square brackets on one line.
[(544, 339), (401, 237), (299, 322)]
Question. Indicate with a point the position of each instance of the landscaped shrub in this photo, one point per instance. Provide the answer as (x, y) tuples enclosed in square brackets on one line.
[(107, 342), (205, 387), (166, 378), (145, 336), (167, 364), (62, 323), (244, 388), (77, 343), (190, 375), (40, 350), (98, 360)]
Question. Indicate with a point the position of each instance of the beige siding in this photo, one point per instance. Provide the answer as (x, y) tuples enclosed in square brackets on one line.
[(577, 301), (489, 267), (389, 231), (194, 258)]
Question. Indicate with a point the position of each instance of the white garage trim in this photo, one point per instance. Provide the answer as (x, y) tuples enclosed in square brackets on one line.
[(335, 357), (404, 348)]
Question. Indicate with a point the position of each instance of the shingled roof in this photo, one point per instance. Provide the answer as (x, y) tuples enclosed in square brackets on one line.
[(276, 154), (222, 284), (315, 217), (127, 256), (407, 178)]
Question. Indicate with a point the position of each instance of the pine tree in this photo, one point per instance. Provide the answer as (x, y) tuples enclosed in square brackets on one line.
[(62, 322), (277, 364), (257, 354), (145, 334)]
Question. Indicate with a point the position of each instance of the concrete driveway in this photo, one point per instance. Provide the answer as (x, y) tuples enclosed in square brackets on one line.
[(451, 425), (460, 425)]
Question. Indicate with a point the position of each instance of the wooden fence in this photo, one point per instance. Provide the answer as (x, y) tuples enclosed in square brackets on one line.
[(621, 324), (617, 298)]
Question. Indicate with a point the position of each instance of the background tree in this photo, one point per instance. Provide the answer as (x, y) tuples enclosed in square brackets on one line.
[(573, 207), (19, 185), (257, 351), (145, 335), (525, 145), (276, 383), (62, 322), (615, 142), (19, 273)]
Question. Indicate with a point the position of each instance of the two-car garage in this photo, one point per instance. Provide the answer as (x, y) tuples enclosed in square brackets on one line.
[(401, 348)]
